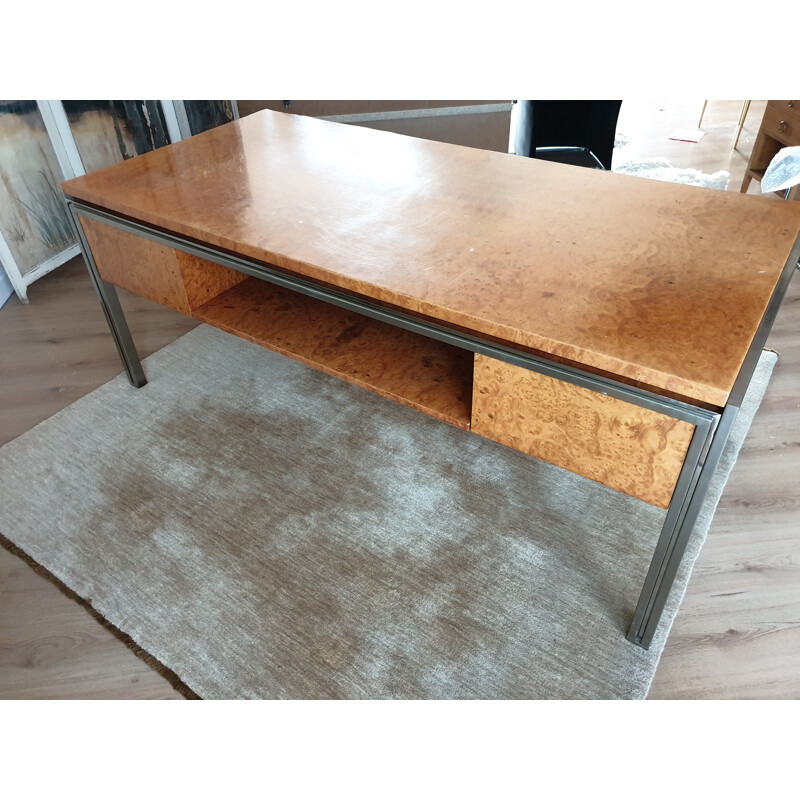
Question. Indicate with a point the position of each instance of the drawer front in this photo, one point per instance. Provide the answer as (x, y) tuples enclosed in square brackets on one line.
[(790, 107), (629, 448), (782, 124)]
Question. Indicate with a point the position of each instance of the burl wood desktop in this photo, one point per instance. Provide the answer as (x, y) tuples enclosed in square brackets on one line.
[(607, 324)]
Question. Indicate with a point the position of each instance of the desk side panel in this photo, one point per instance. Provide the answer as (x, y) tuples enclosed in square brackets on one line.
[(169, 277), (131, 262), (632, 449), (204, 280)]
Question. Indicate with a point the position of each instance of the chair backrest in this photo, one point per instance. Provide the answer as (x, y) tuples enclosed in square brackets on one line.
[(591, 124)]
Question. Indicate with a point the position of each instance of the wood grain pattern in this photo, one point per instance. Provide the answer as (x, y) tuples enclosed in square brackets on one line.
[(650, 281), (422, 373), (203, 280), (56, 350), (136, 264), (631, 449), (169, 277)]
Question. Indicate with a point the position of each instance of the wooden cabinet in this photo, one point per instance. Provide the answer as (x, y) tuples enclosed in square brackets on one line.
[(780, 128)]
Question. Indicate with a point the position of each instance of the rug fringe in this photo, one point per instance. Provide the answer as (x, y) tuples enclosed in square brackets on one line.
[(151, 661)]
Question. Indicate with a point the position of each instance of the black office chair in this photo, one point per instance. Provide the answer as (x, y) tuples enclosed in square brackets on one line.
[(579, 132)]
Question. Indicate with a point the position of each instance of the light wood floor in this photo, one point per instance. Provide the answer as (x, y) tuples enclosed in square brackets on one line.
[(737, 634)]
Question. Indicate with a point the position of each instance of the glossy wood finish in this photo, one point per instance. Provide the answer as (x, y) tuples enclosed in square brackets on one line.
[(631, 449), (414, 370), (656, 283)]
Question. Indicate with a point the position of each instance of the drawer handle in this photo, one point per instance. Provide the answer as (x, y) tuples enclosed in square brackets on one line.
[(782, 126), (790, 103)]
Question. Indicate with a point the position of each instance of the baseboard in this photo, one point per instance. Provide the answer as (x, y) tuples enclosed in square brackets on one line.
[(6, 289)]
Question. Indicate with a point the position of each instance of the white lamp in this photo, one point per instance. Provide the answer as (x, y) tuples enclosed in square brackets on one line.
[(783, 171)]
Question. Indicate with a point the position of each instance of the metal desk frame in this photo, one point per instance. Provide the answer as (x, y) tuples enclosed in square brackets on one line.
[(711, 428)]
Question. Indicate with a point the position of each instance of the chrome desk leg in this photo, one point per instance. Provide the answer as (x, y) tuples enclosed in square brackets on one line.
[(690, 491), (109, 302), (698, 468)]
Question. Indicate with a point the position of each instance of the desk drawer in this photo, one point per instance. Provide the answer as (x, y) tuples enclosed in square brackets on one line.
[(629, 448), (784, 107), (782, 122)]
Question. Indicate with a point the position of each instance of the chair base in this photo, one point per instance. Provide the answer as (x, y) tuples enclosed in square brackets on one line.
[(577, 156)]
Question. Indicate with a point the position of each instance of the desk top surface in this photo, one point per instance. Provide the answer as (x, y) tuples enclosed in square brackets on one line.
[(660, 284)]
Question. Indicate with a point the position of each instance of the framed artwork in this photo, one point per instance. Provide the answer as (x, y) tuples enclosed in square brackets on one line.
[(205, 114), (35, 232), (44, 142), (188, 117), (108, 131)]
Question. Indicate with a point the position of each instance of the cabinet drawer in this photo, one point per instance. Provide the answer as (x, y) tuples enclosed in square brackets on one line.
[(781, 123), (790, 107)]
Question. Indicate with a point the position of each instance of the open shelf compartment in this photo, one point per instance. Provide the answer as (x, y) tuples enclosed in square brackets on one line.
[(423, 373)]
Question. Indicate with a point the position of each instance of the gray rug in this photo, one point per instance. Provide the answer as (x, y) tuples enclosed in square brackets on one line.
[(267, 531)]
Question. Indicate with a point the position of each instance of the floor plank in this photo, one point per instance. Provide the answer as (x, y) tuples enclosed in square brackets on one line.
[(55, 350), (737, 634), (51, 648)]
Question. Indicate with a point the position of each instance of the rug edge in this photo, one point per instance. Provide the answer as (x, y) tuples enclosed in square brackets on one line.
[(120, 376), (151, 661)]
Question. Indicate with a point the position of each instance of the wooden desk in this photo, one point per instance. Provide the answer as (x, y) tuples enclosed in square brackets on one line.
[(605, 323)]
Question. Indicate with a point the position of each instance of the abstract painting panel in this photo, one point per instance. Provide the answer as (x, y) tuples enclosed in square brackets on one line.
[(206, 114), (109, 131), (33, 219)]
